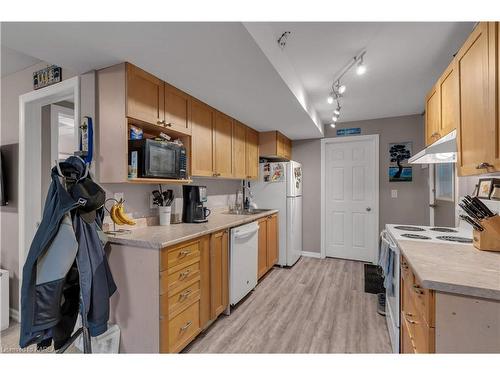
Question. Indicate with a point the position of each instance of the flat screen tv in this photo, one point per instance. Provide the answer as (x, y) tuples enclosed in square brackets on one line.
[(3, 198)]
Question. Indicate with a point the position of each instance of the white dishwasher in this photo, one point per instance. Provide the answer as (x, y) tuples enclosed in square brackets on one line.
[(243, 261)]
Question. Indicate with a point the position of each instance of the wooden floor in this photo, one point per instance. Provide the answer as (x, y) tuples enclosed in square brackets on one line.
[(318, 306)]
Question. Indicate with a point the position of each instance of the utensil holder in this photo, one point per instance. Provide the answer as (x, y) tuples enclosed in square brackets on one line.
[(165, 212), (489, 238)]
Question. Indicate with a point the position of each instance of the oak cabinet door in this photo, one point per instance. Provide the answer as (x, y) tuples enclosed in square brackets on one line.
[(202, 148), (144, 96), (177, 109), (219, 281), (272, 241), (477, 123), (238, 150), (223, 145), (449, 100), (262, 258), (252, 154), (205, 281), (432, 116)]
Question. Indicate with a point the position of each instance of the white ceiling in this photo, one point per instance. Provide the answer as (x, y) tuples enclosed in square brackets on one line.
[(240, 70), (403, 62), (14, 61)]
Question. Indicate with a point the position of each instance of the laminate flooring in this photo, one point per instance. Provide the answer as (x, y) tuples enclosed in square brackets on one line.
[(317, 306)]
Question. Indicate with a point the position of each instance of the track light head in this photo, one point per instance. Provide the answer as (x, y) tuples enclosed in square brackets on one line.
[(361, 68), (337, 111), (341, 89), (330, 99), (332, 125), (335, 118)]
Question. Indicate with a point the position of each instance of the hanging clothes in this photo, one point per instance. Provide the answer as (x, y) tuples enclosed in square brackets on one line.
[(66, 270)]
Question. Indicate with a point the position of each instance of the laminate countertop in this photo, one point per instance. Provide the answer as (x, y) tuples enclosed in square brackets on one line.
[(454, 268), (158, 237)]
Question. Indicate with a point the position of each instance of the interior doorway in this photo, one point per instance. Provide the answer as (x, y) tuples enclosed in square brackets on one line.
[(39, 149), (350, 197), (442, 194)]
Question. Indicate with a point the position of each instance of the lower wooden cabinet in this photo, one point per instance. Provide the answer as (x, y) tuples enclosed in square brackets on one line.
[(219, 271), (268, 244)]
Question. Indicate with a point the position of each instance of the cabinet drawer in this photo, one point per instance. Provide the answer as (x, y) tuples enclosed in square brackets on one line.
[(406, 340), (183, 328), (179, 255), (177, 302), (178, 277), (423, 300)]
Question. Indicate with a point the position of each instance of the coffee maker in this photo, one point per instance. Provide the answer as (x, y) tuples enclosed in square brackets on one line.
[(194, 197)]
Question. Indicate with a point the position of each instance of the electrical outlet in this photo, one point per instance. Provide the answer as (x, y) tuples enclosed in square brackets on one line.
[(394, 193), (118, 196)]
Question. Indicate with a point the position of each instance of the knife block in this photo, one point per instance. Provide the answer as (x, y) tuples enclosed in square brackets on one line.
[(489, 238)]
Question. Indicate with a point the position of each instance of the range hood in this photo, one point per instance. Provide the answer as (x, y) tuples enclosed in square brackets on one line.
[(444, 150)]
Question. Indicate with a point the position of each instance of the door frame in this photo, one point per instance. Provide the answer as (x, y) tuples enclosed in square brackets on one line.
[(30, 107), (374, 138)]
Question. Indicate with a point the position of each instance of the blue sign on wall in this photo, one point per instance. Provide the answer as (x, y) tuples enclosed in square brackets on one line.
[(348, 131)]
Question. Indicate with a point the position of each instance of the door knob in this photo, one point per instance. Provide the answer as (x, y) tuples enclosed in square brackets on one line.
[(368, 209)]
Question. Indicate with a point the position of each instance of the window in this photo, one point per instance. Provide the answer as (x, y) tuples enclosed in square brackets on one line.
[(445, 182)]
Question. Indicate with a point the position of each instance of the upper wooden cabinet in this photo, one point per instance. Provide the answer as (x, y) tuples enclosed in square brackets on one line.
[(478, 136), (223, 137), (275, 145), (239, 150), (252, 153), (145, 96), (432, 116), (202, 143), (449, 100), (177, 106)]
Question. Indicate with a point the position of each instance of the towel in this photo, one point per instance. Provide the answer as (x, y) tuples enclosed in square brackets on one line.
[(386, 262)]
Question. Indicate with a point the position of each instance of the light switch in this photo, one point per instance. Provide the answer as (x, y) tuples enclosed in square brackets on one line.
[(394, 193)]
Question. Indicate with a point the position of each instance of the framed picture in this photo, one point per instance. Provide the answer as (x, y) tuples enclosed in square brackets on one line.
[(399, 170), (486, 186)]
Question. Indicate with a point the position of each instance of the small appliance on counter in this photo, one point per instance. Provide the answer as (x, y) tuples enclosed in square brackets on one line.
[(194, 198), (150, 158)]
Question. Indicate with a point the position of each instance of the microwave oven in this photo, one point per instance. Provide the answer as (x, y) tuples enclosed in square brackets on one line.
[(157, 159)]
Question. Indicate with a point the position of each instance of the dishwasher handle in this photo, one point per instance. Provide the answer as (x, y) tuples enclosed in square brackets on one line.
[(245, 233)]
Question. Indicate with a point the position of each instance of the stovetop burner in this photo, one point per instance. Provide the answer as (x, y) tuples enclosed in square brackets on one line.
[(454, 239), (409, 228), (415, 236), (444, 230)]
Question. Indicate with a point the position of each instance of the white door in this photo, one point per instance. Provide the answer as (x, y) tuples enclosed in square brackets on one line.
[(350, 195)]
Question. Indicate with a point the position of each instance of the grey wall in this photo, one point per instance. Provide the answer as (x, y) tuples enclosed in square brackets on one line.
[(411, 206)]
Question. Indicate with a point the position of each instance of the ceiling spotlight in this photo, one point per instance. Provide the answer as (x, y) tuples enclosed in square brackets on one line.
[(332, 125), (361, 68), (330, 98), (341, 89), (335, 118), (337, 111)]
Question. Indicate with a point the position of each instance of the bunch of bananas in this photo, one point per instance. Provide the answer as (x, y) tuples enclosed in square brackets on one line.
[(118, 214)]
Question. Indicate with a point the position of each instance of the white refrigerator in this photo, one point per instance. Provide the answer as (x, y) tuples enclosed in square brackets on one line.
[(280, 187)]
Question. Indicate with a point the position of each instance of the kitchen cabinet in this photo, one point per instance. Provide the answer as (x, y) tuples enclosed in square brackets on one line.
[(449, 100), (251, 154), (275, 145), (219, 271), (478, 133), (145, 96), (222, 139), (268, 244), (177, 107), (239, 150), (432, 116), (202, 144)]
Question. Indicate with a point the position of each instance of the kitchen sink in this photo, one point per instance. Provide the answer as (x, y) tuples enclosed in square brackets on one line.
[(247, 212)]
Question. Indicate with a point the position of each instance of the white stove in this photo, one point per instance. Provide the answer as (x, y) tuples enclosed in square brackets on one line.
[(460, 235)]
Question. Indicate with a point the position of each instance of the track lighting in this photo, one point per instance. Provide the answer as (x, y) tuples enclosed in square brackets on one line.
[(330, 98), (341, 89), (332, 125), (336, 112), (361, 68), (335, 118)]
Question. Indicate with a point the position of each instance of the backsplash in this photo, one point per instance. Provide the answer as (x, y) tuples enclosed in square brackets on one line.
[(220, 193)]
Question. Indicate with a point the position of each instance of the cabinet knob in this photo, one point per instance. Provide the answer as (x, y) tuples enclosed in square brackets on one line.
[(484, 165)]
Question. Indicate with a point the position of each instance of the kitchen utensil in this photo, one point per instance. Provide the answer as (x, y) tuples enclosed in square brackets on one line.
[(157, 198), (470, 212), (472, 222), (483, 207), (170, 197)]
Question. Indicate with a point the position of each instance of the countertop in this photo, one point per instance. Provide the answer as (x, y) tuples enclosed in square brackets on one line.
[(158, 237), (454, 268)]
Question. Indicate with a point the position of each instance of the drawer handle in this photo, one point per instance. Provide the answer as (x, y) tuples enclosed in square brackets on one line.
[(183, 253), (484, 165), (184, 274), (184, 295), (186, 326), (409, 315), (410, 320), (418, 290)]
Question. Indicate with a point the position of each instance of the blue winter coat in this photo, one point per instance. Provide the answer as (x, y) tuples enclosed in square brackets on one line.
[(66, 261)]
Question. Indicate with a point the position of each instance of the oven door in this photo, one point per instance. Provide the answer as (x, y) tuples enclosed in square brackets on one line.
[(161, 160)]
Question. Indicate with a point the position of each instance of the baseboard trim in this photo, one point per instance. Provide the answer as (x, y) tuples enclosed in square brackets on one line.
[(14, 314), (311, 254)]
